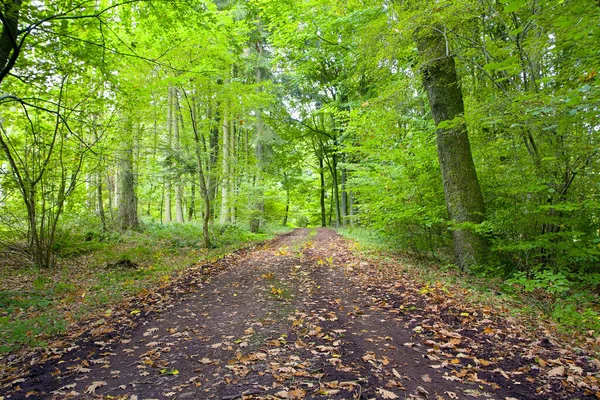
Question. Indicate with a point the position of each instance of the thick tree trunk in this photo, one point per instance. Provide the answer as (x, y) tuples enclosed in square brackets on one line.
[(9, 48), (464, 200), (128, 218)]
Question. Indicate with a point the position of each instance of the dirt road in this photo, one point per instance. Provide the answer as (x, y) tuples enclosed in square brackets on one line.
[(305, 317)]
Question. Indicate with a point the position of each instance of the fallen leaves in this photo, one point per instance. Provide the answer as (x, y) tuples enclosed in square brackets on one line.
[(91, 389), (386, 394), (558, 371), (294, 394), (335, 336)]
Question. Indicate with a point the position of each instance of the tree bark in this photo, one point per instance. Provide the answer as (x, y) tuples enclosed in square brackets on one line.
[(224, 214), (205, 189), (177, 147), (344, 197), (167, 177), (128, 218), (336, 191), (192, 203), (322, 178), (9, 47), (464, 200)]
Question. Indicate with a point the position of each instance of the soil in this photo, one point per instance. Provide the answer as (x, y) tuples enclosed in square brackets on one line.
[(303, 316)]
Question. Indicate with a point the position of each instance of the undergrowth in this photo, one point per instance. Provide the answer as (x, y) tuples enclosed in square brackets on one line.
[(558, 296), (97, 270)]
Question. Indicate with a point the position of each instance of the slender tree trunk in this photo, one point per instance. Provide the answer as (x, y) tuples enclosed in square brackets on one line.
[(110, 189), (192, 202), (128, 218), (224, 214), (205, 190), (213, 143), (322, 177), (287, 199), (177, 146), (167, 177), (287, 208), (344, 198), (100, 201), (336, 191), (232, 170), (464, 200)]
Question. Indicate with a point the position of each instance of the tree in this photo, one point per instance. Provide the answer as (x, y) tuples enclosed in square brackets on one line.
[(128, 218), (461, 186)]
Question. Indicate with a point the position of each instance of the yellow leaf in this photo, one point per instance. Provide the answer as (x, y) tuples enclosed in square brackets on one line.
[(135, 312)]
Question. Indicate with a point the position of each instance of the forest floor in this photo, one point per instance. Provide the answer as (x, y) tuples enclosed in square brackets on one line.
[(304, 316)]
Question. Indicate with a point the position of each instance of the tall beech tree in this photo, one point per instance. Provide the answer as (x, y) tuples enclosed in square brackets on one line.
[(461, 186)]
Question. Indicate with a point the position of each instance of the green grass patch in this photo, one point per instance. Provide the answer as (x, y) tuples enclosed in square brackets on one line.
[(97, 271)]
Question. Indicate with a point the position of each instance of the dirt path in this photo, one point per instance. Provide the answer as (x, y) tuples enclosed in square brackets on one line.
[(302, 317)]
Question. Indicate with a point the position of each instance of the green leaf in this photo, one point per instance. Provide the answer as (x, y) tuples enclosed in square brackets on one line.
[(514, 5)]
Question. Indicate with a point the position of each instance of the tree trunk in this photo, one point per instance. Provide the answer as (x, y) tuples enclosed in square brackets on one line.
[(127, 199), (205, 189), (177, 148), (344, 197), (232, 171), (110, 189), (192, 207), (322, 177), (100, 201), (464, 200), (224, 214), (9, 48), (336, 191), (167, 177), (287, 199)]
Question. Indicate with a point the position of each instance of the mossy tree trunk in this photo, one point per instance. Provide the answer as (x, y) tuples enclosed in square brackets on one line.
[(128, 218), (464, 200)]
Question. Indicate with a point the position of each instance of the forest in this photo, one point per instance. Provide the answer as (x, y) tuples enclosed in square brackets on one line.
[(139, 136)]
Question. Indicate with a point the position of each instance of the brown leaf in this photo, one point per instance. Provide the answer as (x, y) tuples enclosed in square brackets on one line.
[(291, 394), (558, 371), (386, 394), (368, 357), (95, 385)]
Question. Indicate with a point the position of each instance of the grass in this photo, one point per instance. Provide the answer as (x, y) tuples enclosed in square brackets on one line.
[(531, 306), (99, 270)]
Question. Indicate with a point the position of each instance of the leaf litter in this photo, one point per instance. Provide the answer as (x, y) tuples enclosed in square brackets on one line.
[(298, 318)]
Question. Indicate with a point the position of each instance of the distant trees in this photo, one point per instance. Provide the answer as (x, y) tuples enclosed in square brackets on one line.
[(320, 112)]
